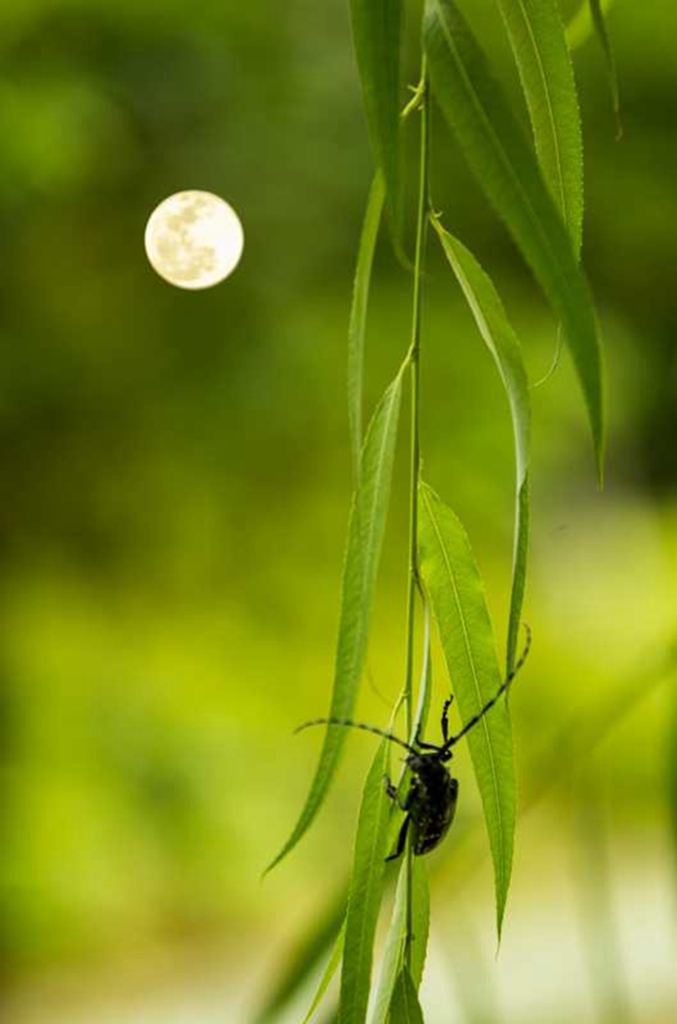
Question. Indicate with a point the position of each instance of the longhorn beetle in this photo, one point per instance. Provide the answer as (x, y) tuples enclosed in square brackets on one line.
[(433, 794)]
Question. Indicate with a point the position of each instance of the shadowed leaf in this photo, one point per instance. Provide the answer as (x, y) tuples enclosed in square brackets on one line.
[(328, 973), (405, 1007), (599, 24), (503, 162), (377, 33)]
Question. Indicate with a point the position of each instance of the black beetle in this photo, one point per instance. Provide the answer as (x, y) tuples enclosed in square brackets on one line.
[(431, 800)]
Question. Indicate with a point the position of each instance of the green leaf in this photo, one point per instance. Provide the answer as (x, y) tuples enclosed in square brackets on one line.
[(492, 322), (405, 1007), (365, 540), (303, 959), (328, 973), (358, 314), (599, 24), (366, 892), (426, 683), (536, 34), (454, 587), (377, 33), (500, 157), (393, 956), (580, 27)]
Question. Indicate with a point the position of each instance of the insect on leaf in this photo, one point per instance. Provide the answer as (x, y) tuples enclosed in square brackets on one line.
[(365, 540), (499, 155), (377, 33), (405, 1007), (366, 893), (328, 973), (492, 322), (454, 587), (358, 314), (393, 956), (536, 34)]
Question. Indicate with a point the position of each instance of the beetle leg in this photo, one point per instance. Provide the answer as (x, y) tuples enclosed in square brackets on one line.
[(401, 839), (393, 793), (391, 788), (445, 718)]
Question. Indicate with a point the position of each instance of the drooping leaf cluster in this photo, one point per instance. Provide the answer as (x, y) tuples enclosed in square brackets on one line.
[(536, 188)]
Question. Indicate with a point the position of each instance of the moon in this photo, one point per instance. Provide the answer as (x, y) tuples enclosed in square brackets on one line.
[(194, 239)]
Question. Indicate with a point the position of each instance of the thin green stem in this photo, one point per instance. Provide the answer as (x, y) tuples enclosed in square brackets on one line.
[(415, 447)]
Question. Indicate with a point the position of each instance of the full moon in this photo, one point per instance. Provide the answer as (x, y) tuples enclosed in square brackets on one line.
[(194, 239)]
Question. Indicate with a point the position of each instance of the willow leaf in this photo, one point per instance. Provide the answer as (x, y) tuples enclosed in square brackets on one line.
[(377, 33), (358, 314), (454, 587), (536, 34), (405, 1007), (599, 24), (366, 892), (580, 27), (500, 156), (305, 956), (393, 956), (328, 974), (492, 322), (365, 540)]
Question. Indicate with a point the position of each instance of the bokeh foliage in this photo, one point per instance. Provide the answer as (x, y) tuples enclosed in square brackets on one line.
[(176, 468)]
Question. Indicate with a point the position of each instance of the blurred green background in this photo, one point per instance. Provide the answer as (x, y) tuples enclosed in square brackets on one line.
[(176, 475)]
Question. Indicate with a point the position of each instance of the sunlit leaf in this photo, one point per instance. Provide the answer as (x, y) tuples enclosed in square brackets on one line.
[(358, 314), (536, 34), (492, 322), (365, 539), (393, 955), (506, 168), (405, 1007), (377, 32), (366, 892), (599, 24), (328, 973), (453, 584)]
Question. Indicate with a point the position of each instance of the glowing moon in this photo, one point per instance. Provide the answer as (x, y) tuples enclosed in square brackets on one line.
[(194, 239)]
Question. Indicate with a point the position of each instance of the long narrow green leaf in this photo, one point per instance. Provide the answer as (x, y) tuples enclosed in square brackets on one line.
[(377, 32), (452, 581), (492, 322), (393, 956), (536, 34), (358, 314), (306, 953), (366, 892), (405, 1007), (580, 27), (365, 540), (328, 973), (500, 157), (599, 24)]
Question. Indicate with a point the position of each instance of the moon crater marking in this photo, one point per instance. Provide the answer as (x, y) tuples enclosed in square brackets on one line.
[(194, 239)]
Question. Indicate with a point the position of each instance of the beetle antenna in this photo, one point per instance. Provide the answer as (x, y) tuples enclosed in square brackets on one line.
[(356, 725), (501, 690)]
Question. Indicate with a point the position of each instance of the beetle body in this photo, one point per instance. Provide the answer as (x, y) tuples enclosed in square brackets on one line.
[(431, 801)]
